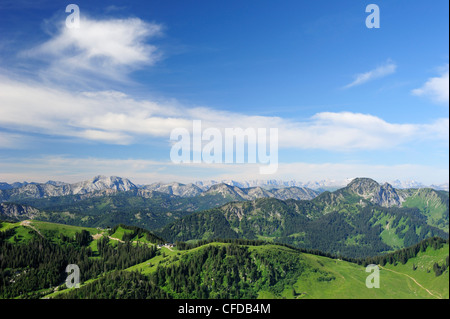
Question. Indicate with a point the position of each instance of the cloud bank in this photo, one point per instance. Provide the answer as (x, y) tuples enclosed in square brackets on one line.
[(115, 118)]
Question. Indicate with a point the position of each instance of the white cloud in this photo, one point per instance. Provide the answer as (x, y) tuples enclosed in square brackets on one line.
[(115, 118), (379, 72), (104, 116), (436, 88), (111, 49), (107, 137), (355, 131), (108, 48), (112, 46)]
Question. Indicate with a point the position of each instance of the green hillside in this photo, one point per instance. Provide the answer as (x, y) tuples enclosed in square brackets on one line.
[(150, 211), (307, 276), (351, 231), (421, 275), (34, 254), (432, 204), (220, 270), (124, 262), (360, 220)]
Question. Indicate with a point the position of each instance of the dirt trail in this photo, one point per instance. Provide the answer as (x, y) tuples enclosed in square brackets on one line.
[(113, 238), (169, 248), (27, 223), (413, 280), (100, 235), (97, 236)]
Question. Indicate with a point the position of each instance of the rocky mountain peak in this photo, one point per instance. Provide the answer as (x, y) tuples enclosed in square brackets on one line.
[(175, 188), (101, 182), (363, 186), (384, 195)]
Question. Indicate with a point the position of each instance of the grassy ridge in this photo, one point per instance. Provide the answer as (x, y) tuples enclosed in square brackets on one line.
[(279, 272), (433, 204), (326, 278)]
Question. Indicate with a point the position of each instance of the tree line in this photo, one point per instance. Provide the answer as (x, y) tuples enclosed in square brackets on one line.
[(137, 232), (40, 264), (403, 255), (213, 272)]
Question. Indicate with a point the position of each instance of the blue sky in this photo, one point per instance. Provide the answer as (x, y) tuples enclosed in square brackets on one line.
[(348, 101)]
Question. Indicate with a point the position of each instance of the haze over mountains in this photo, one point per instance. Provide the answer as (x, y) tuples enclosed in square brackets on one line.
[(110, 184)]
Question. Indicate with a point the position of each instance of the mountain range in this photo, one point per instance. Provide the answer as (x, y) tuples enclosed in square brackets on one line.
[(361, 219), (52, 188), (320, 185), (192, 189), (104, 201), (15, 191)]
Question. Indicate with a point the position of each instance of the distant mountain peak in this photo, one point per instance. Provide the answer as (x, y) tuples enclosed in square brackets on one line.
[(103, 178), (384, 195), (226, 189), (175, 188), (363, 186), (221, 186), (362, 181), (55, 183)]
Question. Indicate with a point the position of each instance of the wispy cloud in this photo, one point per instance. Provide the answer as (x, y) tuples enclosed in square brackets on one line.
[(12, 140), (112, 48), (114, 118), (100, 48), (346, 131), (105, 50), (388, 68), (436, 88)]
